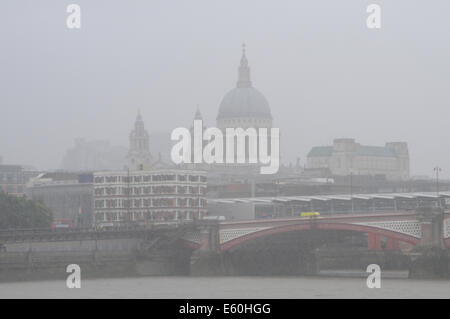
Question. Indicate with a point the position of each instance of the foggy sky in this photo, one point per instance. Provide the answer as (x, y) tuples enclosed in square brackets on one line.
[(323, 72)]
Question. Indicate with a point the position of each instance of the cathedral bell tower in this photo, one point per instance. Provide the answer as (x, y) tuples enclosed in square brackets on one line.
[(139, 157)]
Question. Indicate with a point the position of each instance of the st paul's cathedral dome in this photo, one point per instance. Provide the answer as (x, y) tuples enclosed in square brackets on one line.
[(244, 106)]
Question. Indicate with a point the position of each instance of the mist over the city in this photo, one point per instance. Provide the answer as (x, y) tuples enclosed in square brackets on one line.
[(324, 74), (212, 149)]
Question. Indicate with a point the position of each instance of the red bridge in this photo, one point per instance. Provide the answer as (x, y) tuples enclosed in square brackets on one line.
[(425, 229), (419, 240)]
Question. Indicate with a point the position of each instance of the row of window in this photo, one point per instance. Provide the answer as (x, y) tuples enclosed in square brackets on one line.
[(156, 202), (149, 190), (149, 178), (148, 216)]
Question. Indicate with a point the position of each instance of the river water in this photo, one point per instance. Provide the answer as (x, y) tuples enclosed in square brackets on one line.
[(229, 287)]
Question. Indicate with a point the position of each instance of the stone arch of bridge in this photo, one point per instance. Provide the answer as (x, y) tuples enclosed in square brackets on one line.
[(370, 230)]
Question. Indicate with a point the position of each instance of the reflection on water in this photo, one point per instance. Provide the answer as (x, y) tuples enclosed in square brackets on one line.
[(229, 287)]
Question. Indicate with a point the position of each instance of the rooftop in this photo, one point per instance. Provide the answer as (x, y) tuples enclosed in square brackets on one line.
[(362, 150), (344, 197)]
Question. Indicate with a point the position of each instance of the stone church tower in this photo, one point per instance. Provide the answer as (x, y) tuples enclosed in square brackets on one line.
[(139, 157), (197, 117)]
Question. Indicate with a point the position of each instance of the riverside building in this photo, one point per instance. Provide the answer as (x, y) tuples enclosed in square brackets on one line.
[(148, 197), (347, 157)]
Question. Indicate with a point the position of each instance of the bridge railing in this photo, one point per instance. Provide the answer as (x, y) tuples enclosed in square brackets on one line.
[(326, 214), (126, 227)]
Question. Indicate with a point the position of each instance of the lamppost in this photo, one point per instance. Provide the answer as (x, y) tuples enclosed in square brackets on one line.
[(351, 189), (128, 217), (198, 198), (437, 169)]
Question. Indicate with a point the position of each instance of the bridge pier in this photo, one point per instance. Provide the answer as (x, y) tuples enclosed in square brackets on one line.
[(207, 263), (308, 263), (432, 263), (430, 259), (207, 260)]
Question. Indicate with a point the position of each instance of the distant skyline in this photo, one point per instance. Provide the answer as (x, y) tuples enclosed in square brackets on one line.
[(324, 74)]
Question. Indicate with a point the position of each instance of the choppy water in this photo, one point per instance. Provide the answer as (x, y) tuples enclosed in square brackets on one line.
[(229, 287)]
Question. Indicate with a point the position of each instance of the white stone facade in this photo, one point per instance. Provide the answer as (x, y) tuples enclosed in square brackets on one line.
[(145, 197), (347, 157)]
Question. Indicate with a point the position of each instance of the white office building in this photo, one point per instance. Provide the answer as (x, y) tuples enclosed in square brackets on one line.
[(146, 197)]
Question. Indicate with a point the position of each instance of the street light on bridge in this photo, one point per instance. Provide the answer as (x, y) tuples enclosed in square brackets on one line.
[(437, 169), (351, 190)]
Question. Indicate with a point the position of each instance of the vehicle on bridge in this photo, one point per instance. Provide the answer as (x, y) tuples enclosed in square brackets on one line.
[(61, 224), (214, 218), (310, 214)]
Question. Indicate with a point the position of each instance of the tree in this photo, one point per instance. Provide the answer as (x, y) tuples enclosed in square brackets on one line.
[(19, 212)]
